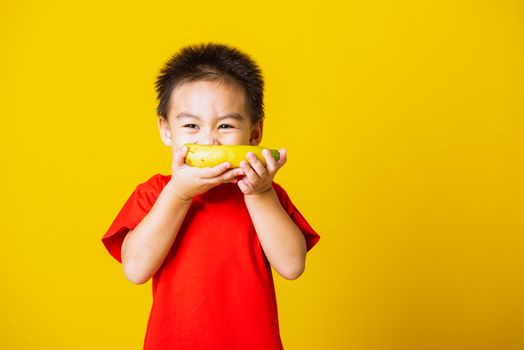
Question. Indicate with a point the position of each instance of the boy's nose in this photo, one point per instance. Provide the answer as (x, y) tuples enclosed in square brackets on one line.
[(208, 139)]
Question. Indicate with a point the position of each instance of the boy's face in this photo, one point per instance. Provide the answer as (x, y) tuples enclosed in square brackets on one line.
[(209, 113)]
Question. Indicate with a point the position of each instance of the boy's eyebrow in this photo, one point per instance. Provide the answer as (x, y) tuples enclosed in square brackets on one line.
[(225, 116)]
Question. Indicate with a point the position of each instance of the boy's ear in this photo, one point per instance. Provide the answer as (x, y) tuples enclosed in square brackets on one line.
[(165, 132), (256, 133)]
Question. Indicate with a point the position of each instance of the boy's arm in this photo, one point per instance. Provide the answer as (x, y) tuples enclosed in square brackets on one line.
[(145, 248), (282, 241), (147, 245)]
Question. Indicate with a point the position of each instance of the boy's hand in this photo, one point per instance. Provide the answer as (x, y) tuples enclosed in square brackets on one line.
[(190, 181), (258, 178)]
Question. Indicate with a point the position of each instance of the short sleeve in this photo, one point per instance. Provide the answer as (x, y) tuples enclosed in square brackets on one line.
[(310, 234), (134, 210)]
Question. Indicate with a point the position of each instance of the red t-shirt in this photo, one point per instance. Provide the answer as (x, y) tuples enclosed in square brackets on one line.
[(215, 289)]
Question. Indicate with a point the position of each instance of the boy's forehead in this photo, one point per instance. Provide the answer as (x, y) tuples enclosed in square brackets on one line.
[(204, 95)]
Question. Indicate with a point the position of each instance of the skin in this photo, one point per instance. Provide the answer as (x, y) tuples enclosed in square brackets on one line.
[(213, 113)]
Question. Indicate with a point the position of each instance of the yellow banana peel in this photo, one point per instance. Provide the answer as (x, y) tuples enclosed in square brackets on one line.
[(203, 156)]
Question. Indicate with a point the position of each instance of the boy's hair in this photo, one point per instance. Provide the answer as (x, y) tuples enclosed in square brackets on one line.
[(211, 62)]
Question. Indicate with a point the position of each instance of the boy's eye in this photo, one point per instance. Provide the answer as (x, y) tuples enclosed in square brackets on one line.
[(191, 126), (225, 126)]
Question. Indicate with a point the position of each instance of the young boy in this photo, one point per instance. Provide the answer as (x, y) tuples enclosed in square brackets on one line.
[(209, 236)]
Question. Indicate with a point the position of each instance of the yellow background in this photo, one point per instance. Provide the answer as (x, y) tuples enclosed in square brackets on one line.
[(404, 124)]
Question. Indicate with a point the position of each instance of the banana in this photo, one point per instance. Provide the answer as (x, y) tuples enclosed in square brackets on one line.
[(203, 156)]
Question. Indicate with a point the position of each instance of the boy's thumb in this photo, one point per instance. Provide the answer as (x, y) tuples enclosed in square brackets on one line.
[(179, 155)]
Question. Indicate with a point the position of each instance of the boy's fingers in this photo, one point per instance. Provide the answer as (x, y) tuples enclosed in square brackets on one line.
[(251, 175), (230, 176), (244, 187), (272, 165), (209, 173), (256, 164), (283, 157)]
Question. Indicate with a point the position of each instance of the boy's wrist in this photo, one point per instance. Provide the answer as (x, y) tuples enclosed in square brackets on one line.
[(260, 196), (176, 195)]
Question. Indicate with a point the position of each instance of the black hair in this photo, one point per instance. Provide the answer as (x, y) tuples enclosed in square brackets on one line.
[(211, 61)]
